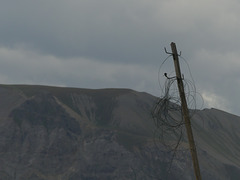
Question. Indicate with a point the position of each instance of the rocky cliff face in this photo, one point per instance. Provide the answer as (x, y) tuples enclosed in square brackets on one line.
[(71, 134)]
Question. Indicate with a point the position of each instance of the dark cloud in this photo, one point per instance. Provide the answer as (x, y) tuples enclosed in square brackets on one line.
[(96, 44), (105, 30)]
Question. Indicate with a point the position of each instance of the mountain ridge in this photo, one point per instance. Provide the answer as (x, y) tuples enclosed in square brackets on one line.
[(51, 132)]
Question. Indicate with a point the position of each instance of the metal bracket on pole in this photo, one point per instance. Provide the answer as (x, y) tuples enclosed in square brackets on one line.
[(172, 53), (165, 74)]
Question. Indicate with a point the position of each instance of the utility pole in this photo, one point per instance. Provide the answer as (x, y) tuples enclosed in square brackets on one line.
[(185, 112)]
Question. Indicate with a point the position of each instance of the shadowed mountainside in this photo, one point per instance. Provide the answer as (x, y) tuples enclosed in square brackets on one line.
[(71, 134)]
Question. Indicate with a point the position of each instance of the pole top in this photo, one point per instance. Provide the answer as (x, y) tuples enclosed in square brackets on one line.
[(174, 49)]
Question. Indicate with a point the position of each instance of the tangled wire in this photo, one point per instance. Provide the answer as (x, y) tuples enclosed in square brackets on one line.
[(167, 112)]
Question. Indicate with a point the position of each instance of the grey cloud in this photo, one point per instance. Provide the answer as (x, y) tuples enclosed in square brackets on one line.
[(107, 30), (19, 66), (96, 44)]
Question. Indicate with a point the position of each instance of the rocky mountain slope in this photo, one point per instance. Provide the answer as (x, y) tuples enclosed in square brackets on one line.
[(80, 134)]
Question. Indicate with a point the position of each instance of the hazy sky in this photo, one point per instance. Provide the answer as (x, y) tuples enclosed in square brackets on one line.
[(120, 44)]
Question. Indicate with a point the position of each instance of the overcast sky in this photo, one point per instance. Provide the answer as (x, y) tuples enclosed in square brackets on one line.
[(120, 44)]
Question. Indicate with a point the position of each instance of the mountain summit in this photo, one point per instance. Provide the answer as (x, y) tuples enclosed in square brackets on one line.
[(54, 133)]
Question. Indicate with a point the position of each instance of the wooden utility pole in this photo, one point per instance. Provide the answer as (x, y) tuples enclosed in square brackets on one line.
[(185, 112)]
